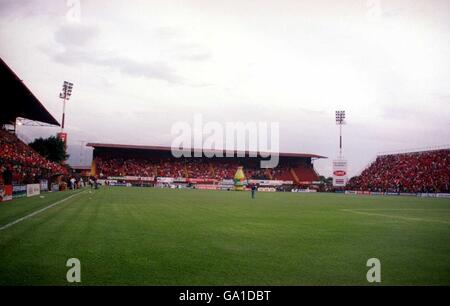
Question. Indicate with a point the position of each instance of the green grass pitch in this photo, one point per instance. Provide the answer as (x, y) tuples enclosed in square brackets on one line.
[(143, 236)]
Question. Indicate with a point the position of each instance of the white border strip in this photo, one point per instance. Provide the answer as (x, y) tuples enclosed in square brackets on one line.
[(38, 211)]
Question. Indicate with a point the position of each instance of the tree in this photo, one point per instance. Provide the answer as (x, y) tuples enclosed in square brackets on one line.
[(51, 148), (326, 180)]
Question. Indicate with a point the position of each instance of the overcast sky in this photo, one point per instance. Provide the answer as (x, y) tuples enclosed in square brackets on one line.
[(140, 66)]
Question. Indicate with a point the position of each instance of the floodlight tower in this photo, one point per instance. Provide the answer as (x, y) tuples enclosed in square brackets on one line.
[(340, 120), (65, 96)]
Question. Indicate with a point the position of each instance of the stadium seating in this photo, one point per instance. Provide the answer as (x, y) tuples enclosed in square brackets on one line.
[(23, 162), (198, 168), (410, 172)]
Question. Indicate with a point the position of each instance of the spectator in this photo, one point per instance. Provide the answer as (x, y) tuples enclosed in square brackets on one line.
[(411, 172), (22, 163)]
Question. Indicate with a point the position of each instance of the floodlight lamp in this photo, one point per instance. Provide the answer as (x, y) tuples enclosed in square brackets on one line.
[(340, 117)]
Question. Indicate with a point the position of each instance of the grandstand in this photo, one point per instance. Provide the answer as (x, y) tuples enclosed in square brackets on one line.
[(19, 163), (411, 172), (138, 164), (24, 164)]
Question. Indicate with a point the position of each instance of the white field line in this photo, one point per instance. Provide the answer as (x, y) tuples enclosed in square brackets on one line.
[(400, 209), (38, 211), (393, 216)]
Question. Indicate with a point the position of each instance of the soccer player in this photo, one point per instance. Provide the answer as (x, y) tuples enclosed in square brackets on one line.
[(253, 191)]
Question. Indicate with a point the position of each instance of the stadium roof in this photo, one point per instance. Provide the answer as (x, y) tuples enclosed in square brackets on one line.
[(19, 101), (168, 149)]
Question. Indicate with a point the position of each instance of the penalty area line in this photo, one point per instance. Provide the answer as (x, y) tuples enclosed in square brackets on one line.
[(39, 211), (393, 216)]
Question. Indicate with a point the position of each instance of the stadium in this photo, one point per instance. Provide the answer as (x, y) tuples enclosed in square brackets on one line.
[(145, 165), (134, 213), (217, 237)]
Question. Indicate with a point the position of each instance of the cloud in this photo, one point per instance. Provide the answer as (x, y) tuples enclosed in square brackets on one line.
[(181, 45), (167, 33), (30, 8), (76, 35), (202, 56), (8, 7), (156, 70), (192, 52), (127, 66), (74, 49), (79, 44)]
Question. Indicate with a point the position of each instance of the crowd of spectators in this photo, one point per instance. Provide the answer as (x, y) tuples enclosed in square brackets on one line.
[(197, 168), (122, 167), (23, 163), (427, 171)]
